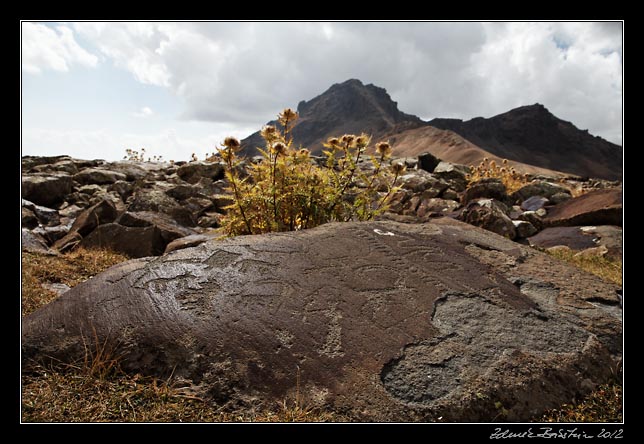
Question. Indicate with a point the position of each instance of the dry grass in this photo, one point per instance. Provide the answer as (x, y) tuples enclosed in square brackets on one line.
[(75, 395), (602, 405), (609, 269), (70, 268)]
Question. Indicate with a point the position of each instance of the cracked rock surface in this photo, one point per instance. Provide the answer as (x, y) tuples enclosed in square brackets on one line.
[(381, 321)]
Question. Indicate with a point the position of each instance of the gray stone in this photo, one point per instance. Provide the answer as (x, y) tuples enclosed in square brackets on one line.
[(101, 213), (534, 203), (533, 218), (97, 176), (28, 219), (490, 215), (381, 321), (453, 173), (489, 188), (122, 188), (91, 189), (133, 242), (193, 171), (539, 188), (420, 180), (46, 189), (599, 207), (189, 241), (436, 207), (167, 226), (559, 198), (34, 243), (524, 229)]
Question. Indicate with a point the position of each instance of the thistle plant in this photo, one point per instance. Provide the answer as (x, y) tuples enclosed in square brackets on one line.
[(512, 179), (288, 190)]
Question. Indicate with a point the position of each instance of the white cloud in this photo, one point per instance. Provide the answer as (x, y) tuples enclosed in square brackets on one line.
[(54, 48), (176, 143), (244, 73), (143, 112)]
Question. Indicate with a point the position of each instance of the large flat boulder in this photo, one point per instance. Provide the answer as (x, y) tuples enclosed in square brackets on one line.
[(46, 189), (382, 321), (599, 207)]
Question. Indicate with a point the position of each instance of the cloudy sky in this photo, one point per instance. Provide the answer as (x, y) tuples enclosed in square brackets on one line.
[(92, 89)]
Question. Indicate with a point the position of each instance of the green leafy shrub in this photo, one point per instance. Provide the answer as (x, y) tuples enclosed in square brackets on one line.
[(288, 190)]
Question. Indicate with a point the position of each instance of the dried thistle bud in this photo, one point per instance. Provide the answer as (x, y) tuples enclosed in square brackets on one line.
[(333, 141), (505, 161), (398, 168), (304, 152), (384, 149), (268, 132), (278, 148), (288, 115), (232, 143), (348, 138), (362, 140)]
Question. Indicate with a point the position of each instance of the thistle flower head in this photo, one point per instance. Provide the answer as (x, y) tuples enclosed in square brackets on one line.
[(384, 149), (268, 132), (288, 115), (398, 168), (278, 148), (332, 142), (362, 141), (232, 143)]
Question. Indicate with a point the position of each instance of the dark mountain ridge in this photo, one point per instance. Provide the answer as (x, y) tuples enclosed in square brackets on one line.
[(528, 135), (533, 135)]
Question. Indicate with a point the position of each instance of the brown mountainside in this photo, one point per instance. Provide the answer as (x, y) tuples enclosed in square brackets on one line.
[(530, 137)]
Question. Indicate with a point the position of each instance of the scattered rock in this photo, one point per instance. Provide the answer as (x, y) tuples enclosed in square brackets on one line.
[(34, 243), (28, 218), (436, 207), (558, 198), (122, 188), (134, 242), (600, 251), (101, 213), (452, 173), (56, 287), (98, 176), (380, 320), (91, 189), (489, 188), (572, 237), (600, 207), (524, 229), (167, 226), (427, 162), (193, 171), (490, 215), (539, 188), (420, 180), (189, 241), (534, 203), (46, 189)]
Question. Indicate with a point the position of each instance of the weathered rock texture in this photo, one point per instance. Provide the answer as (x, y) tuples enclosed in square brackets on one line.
[(381, 321)]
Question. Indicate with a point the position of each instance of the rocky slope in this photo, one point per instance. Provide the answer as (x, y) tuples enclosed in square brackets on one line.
[(412, 317), (533, 135)]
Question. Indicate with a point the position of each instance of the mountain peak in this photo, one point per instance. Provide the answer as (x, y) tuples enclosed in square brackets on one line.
[(348, 107)]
